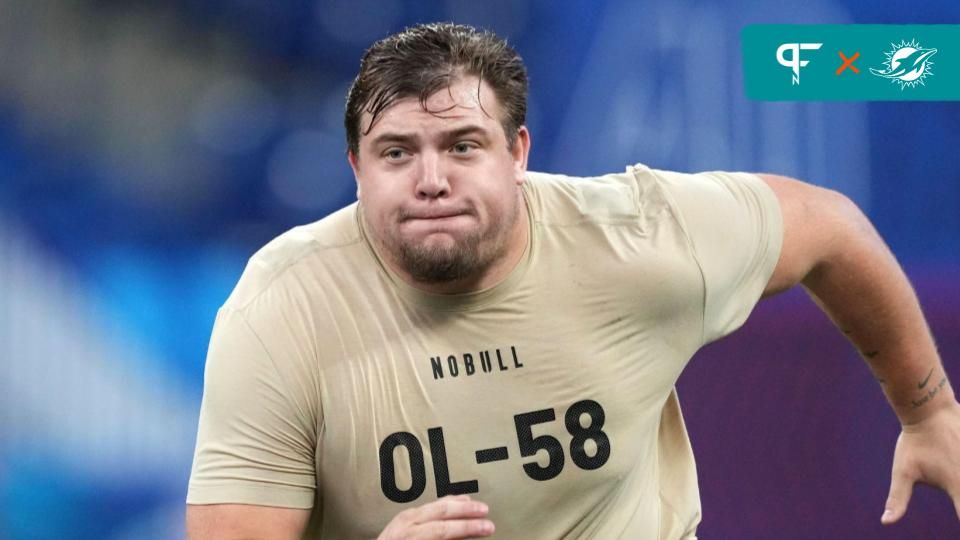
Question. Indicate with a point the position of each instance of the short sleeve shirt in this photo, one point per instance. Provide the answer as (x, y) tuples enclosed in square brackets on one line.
[(333, 385)]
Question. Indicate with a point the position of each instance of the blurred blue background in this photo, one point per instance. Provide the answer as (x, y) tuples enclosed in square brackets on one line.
[(149, 147)]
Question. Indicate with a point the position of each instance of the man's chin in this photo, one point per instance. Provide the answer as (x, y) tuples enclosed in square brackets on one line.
[(439, 262), (436, 241), (439, 270)]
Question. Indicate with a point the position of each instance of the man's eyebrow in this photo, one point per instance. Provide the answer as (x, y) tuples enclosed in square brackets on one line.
[(465, 130), (390, 137), (409, 138)]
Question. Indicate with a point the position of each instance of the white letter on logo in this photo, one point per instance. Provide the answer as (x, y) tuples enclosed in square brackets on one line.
[(794, 62)]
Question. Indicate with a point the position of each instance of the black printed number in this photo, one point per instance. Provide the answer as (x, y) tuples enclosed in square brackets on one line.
[(530, 445), (578, 449)]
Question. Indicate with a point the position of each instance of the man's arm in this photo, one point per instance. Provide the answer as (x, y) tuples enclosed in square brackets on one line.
[(244, 522), (831, 248), (450, 518)]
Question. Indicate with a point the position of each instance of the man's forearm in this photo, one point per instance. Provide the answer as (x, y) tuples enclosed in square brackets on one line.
[(244, 522), (865, 292)]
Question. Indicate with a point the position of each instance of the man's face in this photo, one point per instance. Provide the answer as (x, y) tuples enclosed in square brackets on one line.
[(440, 190)]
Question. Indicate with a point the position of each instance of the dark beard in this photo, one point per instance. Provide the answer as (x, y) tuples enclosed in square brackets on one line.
[(443, 264)]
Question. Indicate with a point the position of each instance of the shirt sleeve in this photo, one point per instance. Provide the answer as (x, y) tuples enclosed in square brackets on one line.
[(735, 228), (255, 441)]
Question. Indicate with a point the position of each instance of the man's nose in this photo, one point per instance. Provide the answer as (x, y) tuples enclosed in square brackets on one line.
[(432, 180)]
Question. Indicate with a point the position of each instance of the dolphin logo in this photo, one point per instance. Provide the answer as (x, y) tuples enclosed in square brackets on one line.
[(907, 64)]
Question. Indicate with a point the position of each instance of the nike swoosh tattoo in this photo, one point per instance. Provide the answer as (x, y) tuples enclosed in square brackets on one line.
[(925, 381)]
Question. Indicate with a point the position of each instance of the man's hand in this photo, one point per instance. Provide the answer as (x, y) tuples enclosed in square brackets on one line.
[(928, 452), (449, 518)]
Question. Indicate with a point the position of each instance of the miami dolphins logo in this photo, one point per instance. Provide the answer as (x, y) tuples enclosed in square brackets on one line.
[(907, 64)]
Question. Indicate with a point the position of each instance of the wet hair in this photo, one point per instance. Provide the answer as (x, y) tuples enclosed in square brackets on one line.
[(426, 58)]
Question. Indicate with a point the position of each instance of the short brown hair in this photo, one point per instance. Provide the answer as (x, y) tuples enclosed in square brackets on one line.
[(428, 57)]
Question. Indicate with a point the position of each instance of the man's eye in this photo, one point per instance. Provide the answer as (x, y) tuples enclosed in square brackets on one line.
[(393, 153), (462, 148)]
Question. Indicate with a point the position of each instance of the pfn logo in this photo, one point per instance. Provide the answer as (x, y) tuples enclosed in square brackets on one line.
[(794, 62)]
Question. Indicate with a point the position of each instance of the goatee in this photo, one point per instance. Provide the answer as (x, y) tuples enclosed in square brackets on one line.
[(442, 264)]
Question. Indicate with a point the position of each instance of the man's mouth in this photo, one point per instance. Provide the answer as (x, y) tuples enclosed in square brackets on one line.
[(433, 215)]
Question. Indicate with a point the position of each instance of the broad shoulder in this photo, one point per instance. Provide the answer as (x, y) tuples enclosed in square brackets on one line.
[(302, 247), (558, 199)]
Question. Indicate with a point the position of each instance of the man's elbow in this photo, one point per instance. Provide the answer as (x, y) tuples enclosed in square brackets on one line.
[(820, 225)]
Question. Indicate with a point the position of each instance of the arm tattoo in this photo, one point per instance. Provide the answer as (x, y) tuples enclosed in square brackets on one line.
[(917, 403)]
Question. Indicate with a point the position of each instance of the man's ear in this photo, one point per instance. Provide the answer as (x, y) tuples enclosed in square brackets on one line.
[(354, 162), (354, 165), (521, 152)]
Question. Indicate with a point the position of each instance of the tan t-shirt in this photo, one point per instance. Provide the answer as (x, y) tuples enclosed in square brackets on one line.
[(333, 385)]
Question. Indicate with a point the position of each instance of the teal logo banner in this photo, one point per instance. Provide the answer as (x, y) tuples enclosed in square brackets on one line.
[(855, 62)]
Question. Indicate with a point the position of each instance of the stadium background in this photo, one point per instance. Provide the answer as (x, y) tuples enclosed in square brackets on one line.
[(148, 147)]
